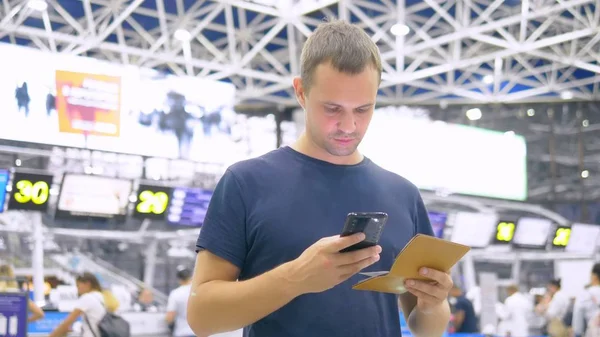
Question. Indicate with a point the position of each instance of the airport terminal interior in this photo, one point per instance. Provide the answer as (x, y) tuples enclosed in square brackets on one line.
[(119, 118)]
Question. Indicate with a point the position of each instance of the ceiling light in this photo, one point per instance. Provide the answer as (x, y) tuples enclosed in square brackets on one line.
[(38, 5), (182, 35), (585, 123), (474, 114), (530, 112), (585, 174), (488, 79), (566, 95), (400, 29)]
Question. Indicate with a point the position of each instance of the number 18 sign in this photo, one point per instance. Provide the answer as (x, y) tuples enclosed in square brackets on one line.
[(30, 191)]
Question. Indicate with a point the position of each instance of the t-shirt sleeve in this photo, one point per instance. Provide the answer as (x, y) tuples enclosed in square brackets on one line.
[(171, 303), (421, 218), (223, 232), (84, 303)]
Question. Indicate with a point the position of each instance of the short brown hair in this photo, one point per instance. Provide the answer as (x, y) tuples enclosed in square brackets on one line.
[(345, 46)]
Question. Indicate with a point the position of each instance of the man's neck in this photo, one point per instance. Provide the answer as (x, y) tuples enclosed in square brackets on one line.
[(307, 147)]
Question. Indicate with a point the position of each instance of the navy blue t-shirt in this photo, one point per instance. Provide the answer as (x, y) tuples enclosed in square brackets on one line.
[(266, 211), (469, 325)]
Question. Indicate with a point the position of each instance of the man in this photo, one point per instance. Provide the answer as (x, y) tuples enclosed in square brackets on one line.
[(465, 320), (587, 305), (177, 305), (273, 222), (516, 313)]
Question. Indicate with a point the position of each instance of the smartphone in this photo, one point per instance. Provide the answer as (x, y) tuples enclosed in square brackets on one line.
[(370, 223)]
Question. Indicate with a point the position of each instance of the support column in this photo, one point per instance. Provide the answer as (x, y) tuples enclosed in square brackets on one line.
[(552, 150), (581, 154), (150, 263), (37, 259)]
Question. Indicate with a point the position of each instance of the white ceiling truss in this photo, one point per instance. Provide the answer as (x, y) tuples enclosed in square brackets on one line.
[(457, 51)]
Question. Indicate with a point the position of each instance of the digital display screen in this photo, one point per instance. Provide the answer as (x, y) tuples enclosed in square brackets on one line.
[(438, 223), (474, 229), (4, 175), (30, 191), (561, 237), (152, 202), (188, 206), (583, 238), (532, 233), (505, 232), (93, 196)]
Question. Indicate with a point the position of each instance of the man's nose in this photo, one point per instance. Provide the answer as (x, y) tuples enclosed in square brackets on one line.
[(347, 123)]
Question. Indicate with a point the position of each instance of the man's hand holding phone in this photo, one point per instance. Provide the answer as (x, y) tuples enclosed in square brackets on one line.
[(322, 266)]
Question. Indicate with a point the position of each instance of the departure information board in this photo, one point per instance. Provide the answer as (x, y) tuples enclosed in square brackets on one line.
[(188, 206)]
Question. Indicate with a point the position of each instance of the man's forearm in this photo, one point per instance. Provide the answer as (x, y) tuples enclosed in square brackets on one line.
[(430, 324), (220, 306)]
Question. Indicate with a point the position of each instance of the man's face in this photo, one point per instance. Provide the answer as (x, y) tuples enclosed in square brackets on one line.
[(339, 107)]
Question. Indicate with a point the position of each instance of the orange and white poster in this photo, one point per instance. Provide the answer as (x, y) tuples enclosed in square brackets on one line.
[(88, 104)]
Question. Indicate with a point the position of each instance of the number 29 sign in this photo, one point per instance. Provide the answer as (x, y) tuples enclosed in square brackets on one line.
[(152, 202), (30, 191)]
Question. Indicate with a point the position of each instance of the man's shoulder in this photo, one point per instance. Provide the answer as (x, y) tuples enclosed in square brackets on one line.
[(268, 161), (394, 180)]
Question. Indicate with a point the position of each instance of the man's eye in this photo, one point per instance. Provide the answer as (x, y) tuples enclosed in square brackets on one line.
[(331, 109)]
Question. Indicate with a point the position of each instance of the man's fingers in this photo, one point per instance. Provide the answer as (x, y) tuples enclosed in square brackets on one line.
[(425, 287), (357, 255), (335, 244), (440, 277), (351, 269)]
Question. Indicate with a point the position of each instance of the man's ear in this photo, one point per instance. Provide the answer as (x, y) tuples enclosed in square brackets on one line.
[(299, 91)]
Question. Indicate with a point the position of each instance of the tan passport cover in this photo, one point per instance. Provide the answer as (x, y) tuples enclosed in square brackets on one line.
[(421, 251)]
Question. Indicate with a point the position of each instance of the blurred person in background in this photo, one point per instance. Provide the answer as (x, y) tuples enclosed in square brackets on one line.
[(465, 320), (537, 324), (515, 314), (22, 97), (587, 305), (9, 283), (146, 302), (555, 308), (90, 307), (177, 305)]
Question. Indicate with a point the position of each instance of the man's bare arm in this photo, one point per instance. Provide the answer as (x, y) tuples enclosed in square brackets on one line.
[(425, 324), (218, 303)]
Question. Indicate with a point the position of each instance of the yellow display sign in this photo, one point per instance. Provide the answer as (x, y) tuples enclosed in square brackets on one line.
[(151, 202), (36, 192), (561, 238), (505, 231), (30, 191)]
